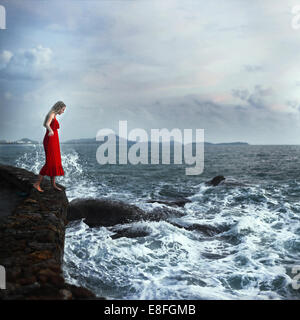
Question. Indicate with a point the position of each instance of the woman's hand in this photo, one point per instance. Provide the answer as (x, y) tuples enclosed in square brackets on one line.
[(47, 124)]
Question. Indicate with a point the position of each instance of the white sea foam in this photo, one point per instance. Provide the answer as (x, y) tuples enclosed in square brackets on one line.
[(77, 185), (174, 263)]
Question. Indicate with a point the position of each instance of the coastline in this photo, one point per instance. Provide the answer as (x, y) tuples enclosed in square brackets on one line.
[(32, 234)]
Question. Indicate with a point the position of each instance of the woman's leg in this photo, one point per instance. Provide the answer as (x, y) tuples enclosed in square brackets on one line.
[(54, 184), (38, 182)]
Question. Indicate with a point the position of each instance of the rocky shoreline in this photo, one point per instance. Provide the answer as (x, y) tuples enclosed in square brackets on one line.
[(32, 233)]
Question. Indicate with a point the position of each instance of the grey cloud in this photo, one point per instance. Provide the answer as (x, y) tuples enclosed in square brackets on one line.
[(294, 104), (223, 122), (254, 98), (252, 68), (27, 64), (129, 58), (243, 94), (5, 57)]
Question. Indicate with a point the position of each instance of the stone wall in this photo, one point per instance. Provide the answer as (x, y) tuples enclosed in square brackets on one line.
[(32, 231)]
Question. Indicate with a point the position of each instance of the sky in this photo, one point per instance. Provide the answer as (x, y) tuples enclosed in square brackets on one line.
[(228, 67)]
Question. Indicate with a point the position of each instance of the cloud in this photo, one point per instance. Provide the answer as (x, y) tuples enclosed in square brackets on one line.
[(5, 57), (256, 98), (230, 122), (33, 63), (294, 104), (253, 68), (218, 65), (7, 95)]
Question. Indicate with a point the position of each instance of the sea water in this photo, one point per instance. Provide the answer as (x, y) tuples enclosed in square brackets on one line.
[(259, 209)]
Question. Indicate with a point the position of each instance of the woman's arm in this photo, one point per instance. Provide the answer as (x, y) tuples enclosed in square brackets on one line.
[(47, 125)]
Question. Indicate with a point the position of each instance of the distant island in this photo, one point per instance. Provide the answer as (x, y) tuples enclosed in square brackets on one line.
[(93, 141), (21, 141), (231, 143)]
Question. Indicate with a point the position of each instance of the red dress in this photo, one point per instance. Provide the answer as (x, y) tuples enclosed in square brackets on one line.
[(53, 165)]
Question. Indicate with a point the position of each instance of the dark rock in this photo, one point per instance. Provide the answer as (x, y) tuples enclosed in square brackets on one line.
[(28, 280), (233, 182), (225, 181), (213, 256), (175, 203), (57, 280), (130, 233), (215, 181), (103, 212), (81, 293), (158, 214), (47, 272), (205, 229), (32, 227), (66, 294), (15, 272), (9, 197)]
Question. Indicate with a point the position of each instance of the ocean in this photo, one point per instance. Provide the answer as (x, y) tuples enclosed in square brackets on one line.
[(257, 256)]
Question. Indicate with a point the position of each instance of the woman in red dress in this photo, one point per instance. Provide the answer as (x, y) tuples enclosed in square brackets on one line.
[(53, 165)]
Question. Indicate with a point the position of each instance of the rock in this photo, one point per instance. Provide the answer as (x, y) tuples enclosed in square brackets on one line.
[(30, 201), (103, 212), (130, 233), (42, 255), (82, 293), (66, 294), (8, 198), (47, 272), (205, 229), (42, 279), (227, 182), (215, 181), (28, 280), (14, 274), (26, 289), (175, 203), (57, 280), (233, 182), (32, 227), (159, 213)]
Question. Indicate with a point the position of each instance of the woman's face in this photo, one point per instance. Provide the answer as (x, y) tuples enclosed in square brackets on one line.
[(62, 110)]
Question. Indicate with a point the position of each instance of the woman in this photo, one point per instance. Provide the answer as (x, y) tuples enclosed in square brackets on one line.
[(53, 165)]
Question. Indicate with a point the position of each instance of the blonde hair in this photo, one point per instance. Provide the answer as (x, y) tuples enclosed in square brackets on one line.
[(56, 108)]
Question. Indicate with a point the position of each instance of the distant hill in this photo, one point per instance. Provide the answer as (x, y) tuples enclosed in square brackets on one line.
[(93, 140), (21, 141), (26, 140), (90, 141), (79, 141), (231, 143)]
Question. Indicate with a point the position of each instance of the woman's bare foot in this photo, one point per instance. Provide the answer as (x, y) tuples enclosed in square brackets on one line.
[(37, 187), (56, 187)]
